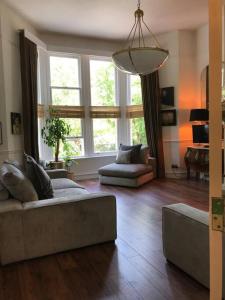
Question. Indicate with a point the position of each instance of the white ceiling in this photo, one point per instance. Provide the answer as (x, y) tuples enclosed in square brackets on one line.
[(111, 19)]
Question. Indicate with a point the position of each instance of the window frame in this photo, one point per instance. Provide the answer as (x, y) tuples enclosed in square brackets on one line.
[(107, 59), (122, 99), (66, 55), (129, 102), (79, 58)]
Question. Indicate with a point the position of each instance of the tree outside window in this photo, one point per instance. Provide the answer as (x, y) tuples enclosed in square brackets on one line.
[(103, 93)]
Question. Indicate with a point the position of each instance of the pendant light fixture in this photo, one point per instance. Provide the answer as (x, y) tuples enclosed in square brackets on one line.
[(141, 59)]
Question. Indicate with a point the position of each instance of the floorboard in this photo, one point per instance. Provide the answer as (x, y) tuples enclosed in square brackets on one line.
[(131, 268)]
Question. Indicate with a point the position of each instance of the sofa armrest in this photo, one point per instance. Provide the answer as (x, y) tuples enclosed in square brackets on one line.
[(152, 162), (57, 173), (66, 200)]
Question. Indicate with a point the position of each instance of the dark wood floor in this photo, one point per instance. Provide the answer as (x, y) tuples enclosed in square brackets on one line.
[(132, 268)]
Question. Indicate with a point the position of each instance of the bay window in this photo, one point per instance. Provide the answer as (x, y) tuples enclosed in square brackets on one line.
[(106, 112)]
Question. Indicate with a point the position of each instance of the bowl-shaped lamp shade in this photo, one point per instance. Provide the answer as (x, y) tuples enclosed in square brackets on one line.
[(142, 60), (199, 115)]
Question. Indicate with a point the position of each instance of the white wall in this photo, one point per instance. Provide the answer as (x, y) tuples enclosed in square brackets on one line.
[(202, 56), (10, 79), (180, 72), (67, 43), (169, 76)]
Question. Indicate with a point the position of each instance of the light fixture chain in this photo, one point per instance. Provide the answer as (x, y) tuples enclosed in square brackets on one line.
[(139, 32), (139, 4), (135, 29), (128, 38), (154, 37), (143, 40)]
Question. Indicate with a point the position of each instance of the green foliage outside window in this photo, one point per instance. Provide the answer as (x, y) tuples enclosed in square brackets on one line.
[(103, 93), (138, 134)]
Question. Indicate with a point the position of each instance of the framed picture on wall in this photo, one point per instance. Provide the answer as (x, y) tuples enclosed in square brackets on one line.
[(167, 96), (169, 117), (16, 123), (1, 137)]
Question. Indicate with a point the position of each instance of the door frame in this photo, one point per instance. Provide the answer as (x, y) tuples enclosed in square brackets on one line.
[(215, 133)]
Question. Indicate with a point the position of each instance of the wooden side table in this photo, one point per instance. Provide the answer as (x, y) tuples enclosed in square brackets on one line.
[(197, 159)]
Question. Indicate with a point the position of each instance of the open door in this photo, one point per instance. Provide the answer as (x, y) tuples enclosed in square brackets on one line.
[(216, 206)]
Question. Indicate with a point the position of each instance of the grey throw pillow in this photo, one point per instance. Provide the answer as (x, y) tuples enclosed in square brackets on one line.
[(4, 194), (123, 157), (135, 152), (17, 184), (40, 179)]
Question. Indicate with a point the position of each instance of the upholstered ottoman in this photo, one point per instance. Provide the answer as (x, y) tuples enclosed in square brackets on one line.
[(186, 241), (130, 175)]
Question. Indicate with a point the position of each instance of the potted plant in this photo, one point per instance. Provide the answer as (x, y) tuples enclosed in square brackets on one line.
[(69, 160), (53, 133)]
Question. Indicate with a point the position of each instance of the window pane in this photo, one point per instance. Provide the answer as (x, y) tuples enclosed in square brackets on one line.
[(138, 135), (102, 83), (135, 90), (65, 97), (74, 145), (64, 71), (75, 126), (105, 135), (72, 148)]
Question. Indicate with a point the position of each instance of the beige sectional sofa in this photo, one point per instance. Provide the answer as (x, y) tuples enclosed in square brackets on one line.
[(72, 219)]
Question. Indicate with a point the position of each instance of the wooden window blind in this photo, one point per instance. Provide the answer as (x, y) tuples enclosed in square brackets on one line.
[(105, 112), (134, 111), (65, 111), (41, 111)]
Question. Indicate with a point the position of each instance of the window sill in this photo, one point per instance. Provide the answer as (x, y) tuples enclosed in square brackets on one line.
[(94, 156)]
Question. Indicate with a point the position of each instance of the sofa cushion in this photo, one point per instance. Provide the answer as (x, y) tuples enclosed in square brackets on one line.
[(64, 183), (39, 178), (17, 184), (4, 194), (125, 170), (123, 157), (135, 152), (69, 192)]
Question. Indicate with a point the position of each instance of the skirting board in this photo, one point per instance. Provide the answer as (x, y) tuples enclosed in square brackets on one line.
[(94, 175), (176, 174)]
